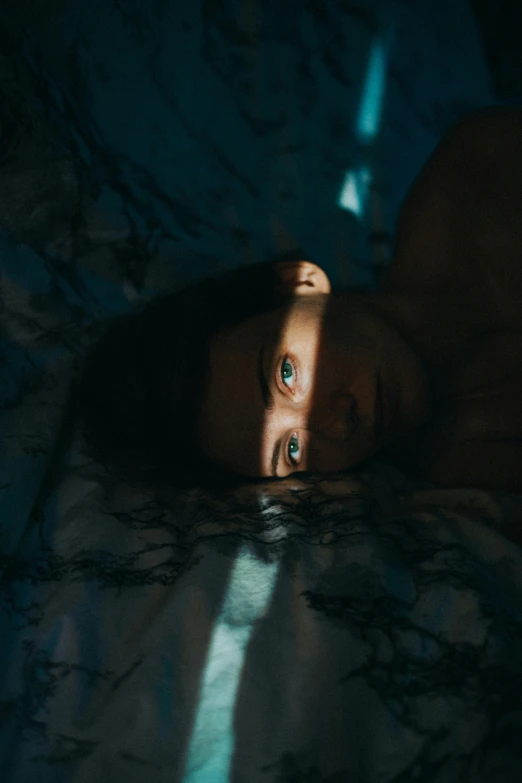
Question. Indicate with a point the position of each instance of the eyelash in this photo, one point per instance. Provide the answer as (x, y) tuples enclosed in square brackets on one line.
[(293, 461), (295, 374)]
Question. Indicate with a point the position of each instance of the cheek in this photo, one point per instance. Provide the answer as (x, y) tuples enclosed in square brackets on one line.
[(330, 457), (409, 384)]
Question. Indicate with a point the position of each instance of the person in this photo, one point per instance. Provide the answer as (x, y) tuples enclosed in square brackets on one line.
[(265, 371)]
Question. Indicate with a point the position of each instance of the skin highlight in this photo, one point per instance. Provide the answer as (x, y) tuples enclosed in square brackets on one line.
[(297, 389)]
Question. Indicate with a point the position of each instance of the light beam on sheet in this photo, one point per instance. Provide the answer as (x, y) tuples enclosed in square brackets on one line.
[(370, 109), (355, 189), (356, 182), (249, 592)]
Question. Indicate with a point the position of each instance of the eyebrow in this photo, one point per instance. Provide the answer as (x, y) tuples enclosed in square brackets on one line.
[(275, 457), (268, 402), (266, 394)]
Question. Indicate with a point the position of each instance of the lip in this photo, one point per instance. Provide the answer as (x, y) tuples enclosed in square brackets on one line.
[(379, 410), (384, 409)]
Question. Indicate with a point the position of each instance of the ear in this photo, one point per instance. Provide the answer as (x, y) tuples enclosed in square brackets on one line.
[(301, 278)]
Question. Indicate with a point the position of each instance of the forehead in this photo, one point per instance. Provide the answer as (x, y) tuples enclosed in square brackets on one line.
[(232, 427)]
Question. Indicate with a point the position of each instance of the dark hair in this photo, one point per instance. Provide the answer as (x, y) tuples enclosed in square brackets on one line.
[(141, 386)]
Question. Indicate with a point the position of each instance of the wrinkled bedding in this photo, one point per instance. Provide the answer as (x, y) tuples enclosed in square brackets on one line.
[(360, 627)]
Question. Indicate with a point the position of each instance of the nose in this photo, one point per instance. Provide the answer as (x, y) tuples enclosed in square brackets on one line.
[(337, 419)]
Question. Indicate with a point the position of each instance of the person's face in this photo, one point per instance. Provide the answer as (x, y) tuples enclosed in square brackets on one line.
[(297, 389)]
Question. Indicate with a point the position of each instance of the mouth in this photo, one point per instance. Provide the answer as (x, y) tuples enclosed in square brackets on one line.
[(379, 417), (352, 420), (387, 413)]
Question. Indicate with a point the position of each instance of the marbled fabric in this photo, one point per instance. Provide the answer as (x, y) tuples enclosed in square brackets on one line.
[(363, 628)]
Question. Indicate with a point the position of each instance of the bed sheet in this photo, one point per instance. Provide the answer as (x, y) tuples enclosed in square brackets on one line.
[(356, 628)]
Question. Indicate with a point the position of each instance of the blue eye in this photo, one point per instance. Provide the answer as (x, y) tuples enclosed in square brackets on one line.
[(293, 450), (287, 371)]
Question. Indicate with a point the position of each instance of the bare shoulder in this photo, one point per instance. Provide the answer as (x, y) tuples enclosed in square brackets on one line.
[(487, 131), (460, 224), (481, 150), (476, 140)]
